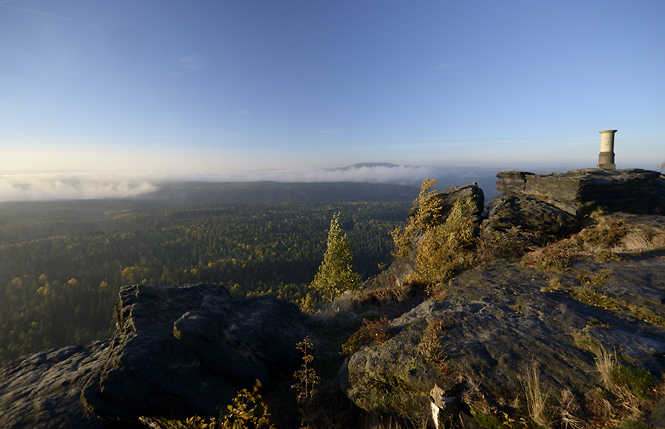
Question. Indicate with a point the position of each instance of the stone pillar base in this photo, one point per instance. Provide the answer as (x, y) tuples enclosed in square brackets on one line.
[(606, 161)]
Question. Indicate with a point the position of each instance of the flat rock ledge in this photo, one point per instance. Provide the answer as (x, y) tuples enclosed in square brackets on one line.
[(43, 390), (500, 321), (557, 202)]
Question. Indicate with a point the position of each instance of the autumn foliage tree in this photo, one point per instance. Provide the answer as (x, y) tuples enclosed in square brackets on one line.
[(337, 272), (443, 244), (426, 212)]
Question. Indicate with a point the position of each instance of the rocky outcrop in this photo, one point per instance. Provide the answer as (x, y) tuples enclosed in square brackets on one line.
[(576, 191), (43, 389), (498, 322), (402, 269), (556, 202), (448, 197), (177, 352), (531, 214)]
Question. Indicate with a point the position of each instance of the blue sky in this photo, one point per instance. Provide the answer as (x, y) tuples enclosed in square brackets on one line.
[(181, 87)]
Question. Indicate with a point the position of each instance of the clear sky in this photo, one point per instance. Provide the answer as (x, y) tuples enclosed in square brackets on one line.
[(215, 86)]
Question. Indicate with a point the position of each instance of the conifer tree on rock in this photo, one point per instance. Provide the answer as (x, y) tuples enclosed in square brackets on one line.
[(337, 272)]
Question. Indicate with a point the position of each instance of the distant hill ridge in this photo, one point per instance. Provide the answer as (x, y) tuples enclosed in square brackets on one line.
[(367, 165)]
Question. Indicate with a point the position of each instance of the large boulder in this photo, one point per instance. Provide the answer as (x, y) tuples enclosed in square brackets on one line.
[(186, 350), (448, 197), (403, 269), (177, 352)]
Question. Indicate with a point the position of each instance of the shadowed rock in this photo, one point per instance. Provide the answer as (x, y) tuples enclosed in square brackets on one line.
[(578, 192), (184, 351), (531, 214), (177, 352)]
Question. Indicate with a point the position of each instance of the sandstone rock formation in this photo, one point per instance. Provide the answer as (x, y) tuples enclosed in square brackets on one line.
[(43, 389), (554, 200), (531, 214), (448, 197), (178, 351), (500, 321), (579, 191)]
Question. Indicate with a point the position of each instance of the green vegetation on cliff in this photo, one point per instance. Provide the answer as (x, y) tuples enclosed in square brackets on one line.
[(337, 272)]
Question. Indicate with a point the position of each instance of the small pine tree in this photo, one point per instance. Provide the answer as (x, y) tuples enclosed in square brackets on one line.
[(337, 272)]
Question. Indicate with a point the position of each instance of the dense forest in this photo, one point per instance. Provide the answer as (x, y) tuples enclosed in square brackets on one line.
[(63, 263)]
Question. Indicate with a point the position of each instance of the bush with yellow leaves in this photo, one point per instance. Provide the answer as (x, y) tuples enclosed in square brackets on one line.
[(247, 411)]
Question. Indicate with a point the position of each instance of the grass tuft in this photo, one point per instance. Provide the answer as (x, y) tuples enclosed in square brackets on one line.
[(536, 399)]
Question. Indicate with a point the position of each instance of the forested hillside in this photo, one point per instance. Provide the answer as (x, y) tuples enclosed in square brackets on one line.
[(278, 192), (62, 263)]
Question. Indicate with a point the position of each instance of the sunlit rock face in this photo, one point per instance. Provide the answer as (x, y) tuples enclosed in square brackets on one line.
[(448, 197), (500, 323), (43, 390), (503, 322)]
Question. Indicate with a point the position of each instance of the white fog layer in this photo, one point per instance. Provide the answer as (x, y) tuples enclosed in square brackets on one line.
[(68, 186)]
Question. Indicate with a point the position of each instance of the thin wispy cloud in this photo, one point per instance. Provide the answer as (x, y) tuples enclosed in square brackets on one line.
[(448, 65), (188, 62), (50, 15), (407, 145), (162, 136), (326, 128), (192, 62)]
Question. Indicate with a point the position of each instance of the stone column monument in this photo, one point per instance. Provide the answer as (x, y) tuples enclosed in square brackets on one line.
[(606, 156)]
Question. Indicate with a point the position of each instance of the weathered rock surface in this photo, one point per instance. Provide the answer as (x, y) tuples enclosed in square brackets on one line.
[(499, 322), (178, 351), (449, 196), (183, 351), (555, 203), (531, 214), (580, 191), (44, 389)]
